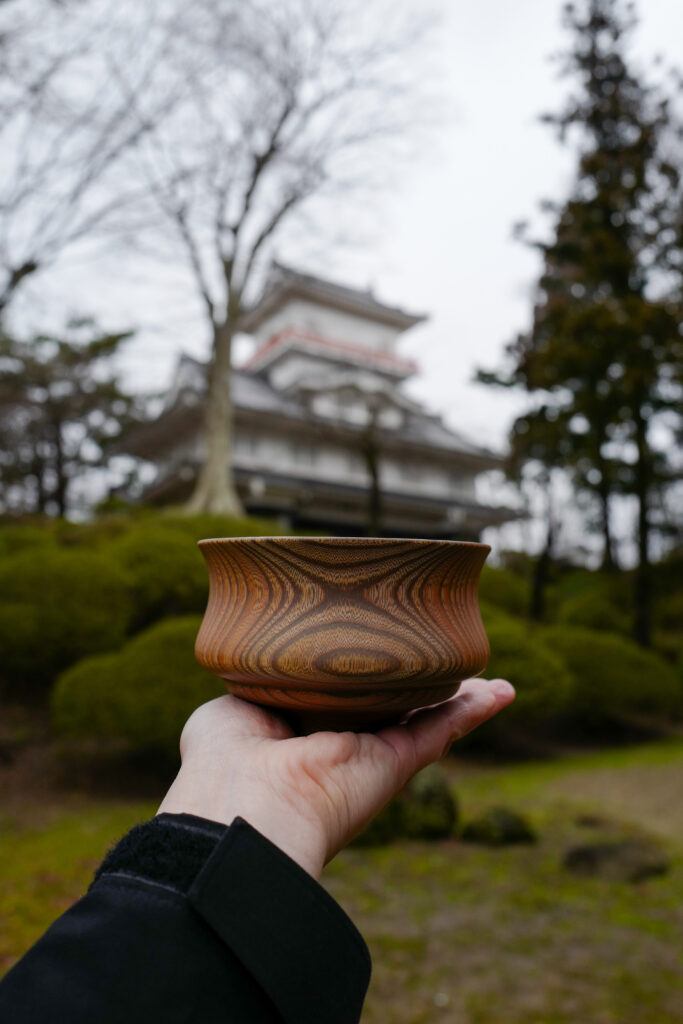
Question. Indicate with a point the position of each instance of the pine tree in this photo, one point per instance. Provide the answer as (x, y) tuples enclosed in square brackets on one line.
[(61, 410), (605, 348)]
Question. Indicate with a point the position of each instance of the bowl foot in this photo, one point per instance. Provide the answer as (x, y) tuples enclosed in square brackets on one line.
[(307, 718)]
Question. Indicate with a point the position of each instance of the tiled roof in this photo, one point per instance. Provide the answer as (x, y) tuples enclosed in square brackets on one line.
[(284, 283), (254, 393)]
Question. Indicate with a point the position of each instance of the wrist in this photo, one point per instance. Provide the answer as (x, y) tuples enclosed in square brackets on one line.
[(297, 836)]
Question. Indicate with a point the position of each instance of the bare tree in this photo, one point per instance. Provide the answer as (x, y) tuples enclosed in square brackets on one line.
[(220, 120), (66, 125), (283, 104)]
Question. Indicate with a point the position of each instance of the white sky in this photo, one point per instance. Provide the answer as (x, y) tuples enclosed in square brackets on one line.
[(448, 247), (444, 245)]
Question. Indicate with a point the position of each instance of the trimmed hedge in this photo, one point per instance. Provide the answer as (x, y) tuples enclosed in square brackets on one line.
[(20, 537), (142, 694), (613, 677), (520, 653), (57, 606), (594, 611), (203, 527), (166, 572), (505, 590)]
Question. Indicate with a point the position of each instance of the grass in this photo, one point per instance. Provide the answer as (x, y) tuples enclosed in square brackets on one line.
[(458, 934)]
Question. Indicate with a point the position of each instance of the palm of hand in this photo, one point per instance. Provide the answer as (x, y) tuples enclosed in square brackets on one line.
[(311, 794)]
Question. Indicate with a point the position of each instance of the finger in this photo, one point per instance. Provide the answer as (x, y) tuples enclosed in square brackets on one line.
[(427, 736)]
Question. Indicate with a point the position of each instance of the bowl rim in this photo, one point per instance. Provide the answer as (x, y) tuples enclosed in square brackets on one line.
[(351, 541)]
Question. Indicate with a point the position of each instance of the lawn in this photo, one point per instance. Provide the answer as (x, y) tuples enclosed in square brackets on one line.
[(459, 934)]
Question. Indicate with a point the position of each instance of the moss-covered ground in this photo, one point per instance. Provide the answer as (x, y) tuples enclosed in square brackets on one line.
[(458, 933)]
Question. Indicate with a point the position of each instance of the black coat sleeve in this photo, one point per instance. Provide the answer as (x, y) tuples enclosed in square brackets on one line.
[(186, 921)]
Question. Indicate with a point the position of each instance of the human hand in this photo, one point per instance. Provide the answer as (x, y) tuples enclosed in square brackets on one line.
[(310, 795)]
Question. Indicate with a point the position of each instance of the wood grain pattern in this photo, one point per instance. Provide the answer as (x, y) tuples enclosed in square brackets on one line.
[(346, 632)]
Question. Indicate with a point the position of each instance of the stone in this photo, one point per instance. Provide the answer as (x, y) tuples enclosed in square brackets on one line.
[(425, 809), (429, 807), (624, 860), (498, 826)]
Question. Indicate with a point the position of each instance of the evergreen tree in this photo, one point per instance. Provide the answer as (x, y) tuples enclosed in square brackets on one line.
[(605, 348), (61, 410)]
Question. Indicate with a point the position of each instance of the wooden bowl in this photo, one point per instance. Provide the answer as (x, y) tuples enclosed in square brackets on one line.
[(342, 633)]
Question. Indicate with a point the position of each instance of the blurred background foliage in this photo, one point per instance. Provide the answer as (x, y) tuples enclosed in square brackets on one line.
[(98, 617), (109, 609)]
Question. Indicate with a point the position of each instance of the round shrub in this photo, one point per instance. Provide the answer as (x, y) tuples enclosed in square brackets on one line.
[(505, 590), (520, 653), (613, 589), (19, 537), (611, 676), (202, 527), (143, 694), (668, 613), (167, 574), (594, 610), (57, 606)]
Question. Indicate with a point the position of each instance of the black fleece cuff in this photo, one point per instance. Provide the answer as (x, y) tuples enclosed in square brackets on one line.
[(285, 928), (170, 850)]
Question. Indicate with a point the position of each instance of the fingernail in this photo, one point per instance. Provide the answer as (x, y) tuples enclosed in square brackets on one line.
[(503, 689)]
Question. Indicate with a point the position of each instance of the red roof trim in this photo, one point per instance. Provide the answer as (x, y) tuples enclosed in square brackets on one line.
[(344, 347)]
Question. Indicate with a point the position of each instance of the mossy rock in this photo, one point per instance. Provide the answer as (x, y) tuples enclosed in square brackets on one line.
[(498, 826), (625, 860), (142, 694), (385, 828), (425, 809)]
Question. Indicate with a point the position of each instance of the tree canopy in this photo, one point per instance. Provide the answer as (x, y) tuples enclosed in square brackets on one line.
[(61, 409), (604, 355)]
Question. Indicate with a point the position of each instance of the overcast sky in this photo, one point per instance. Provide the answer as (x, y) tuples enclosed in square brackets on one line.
[(443, 245), (447, 248)]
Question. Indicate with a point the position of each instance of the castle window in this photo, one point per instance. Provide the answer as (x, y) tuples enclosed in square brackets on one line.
[(304, 454)]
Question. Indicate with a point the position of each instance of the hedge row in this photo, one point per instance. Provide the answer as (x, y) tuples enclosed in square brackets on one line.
[(89, 604), (145, 692), (70, 591)]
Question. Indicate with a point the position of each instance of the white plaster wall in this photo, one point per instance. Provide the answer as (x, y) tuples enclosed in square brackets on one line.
[(412, 476), (309, 459), (291, 368), (328, 323)]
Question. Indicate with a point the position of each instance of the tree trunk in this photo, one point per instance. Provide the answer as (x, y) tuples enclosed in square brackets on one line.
[(609, 563), (215, 490), (38, 472), (371, 456), (62, 481), (541, 572), (643, 583)]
